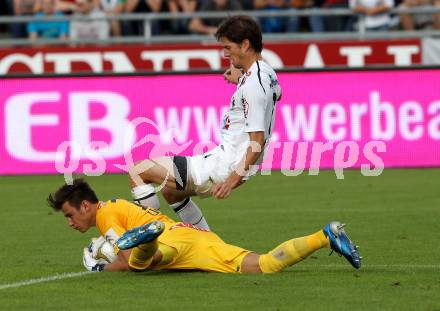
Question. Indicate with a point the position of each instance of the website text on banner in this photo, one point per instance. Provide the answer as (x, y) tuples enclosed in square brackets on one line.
[(324, 120)]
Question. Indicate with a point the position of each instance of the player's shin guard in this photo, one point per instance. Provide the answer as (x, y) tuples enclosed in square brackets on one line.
[(142, 255), (190, 213), (292, 252), (146, 196)]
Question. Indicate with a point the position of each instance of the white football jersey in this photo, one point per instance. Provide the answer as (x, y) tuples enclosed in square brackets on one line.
[(252, 109)]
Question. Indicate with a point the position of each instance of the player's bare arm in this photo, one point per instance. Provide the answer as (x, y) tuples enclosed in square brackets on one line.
[(121, 263), (223, 190)]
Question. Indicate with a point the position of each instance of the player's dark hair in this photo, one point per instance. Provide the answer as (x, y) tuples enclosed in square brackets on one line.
[(240, 27), (79, 191)]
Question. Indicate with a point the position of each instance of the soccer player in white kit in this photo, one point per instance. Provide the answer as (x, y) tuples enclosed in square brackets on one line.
[(246, 131)]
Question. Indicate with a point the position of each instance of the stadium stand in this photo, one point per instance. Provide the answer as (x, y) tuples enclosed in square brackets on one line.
[(131, 18)]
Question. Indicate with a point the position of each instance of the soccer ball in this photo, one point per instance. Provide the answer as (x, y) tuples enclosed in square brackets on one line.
[(102, 250), (106, 252)]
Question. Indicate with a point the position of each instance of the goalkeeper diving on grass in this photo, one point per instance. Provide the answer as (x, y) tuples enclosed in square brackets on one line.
[(137, 239)]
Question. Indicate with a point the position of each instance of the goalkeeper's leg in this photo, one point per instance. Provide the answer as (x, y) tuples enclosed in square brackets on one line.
[(292, 252), (284, 255), (142, 256), (295, 250), (143, 241)]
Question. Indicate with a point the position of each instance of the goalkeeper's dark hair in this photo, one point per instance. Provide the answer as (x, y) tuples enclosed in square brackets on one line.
[(241, 27), (79, 191)]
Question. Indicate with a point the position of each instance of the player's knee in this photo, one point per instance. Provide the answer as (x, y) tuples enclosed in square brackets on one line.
[(172, 196), (167, 195), (251, 263)]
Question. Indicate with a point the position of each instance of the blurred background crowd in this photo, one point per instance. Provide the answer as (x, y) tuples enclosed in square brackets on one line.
[(377, 16)]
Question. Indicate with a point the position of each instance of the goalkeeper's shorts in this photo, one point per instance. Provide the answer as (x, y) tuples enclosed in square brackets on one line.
[(200, 250)]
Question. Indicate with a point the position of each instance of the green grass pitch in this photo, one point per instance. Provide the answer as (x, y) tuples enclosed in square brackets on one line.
[(394, 218)]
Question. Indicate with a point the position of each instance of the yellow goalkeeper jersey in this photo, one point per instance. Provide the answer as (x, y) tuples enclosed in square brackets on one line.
[(114, 217), (194, 248)]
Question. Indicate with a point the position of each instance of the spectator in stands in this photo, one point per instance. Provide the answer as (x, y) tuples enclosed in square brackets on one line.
[(48, 29), (437, 15), (66, 6), (21, 7), (6, 6), (419, 20), (143, 6), (97, 28), (247, 5), (336, 22), (377, 15), (316, 22), (180, 26), (271, 24), (110, 8), (209, 25)]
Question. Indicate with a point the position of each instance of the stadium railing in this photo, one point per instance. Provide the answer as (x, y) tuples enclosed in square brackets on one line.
[(148, 18)]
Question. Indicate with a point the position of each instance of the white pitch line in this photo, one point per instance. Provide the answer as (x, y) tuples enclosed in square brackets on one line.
[(78, 274), (45, 279)]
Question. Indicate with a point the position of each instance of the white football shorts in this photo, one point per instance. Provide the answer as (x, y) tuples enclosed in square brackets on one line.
[(200, 172)]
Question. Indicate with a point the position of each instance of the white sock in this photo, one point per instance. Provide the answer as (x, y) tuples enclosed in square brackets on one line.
[(145, 196), (190, 213)]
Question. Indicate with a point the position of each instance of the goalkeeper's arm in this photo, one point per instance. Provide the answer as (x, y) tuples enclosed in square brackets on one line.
[(100, 255), (121, 262)]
